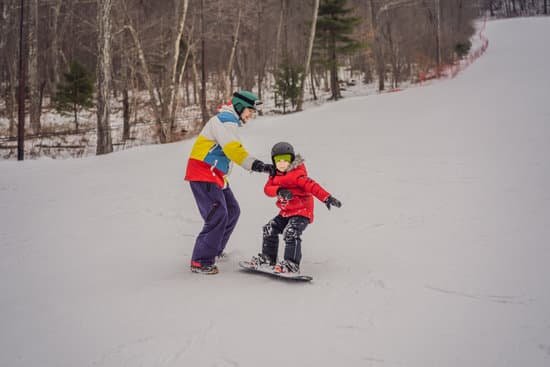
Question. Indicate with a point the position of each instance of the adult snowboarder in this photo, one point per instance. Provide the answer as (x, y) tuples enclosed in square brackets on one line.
[(210, 161)]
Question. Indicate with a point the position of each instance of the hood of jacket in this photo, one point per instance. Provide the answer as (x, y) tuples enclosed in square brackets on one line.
[(229, 109)]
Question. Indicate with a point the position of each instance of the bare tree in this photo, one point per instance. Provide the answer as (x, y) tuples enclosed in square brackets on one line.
[(163, 96), (172, 85), (54, 46), (104, 142), (125, 82), (8, 61), (229, 70), (21, 93), (34, 84), (435, 17), (261, 51), (181, 74), (280, 27), (308, 57), (377, 46), (204, 111)]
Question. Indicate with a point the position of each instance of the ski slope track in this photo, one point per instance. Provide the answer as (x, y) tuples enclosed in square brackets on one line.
[(438, 257)]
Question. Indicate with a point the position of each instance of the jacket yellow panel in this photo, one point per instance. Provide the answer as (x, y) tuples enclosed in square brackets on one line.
[(235, 151), (201, 148)]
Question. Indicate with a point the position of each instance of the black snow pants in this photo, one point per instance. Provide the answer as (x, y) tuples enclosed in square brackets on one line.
[(291, 228)]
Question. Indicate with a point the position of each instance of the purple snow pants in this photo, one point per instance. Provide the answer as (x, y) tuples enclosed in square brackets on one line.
[(220, 211)]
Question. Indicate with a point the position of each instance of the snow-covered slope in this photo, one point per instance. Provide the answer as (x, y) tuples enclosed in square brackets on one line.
[(439, 256)]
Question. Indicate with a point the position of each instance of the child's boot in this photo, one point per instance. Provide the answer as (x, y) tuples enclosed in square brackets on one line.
[(287, 266), (261, 261)]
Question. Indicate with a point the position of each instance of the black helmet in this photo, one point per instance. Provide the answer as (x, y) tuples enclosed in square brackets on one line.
[(282, 148)]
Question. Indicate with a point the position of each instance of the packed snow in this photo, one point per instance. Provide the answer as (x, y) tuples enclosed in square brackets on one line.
[(438, 257)]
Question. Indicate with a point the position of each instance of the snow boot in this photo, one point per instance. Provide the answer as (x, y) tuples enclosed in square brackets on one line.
[(197, 267), (287, 266), (261, 261)]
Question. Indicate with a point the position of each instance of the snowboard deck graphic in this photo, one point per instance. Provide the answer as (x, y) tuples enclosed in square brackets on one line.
[(245, 265)]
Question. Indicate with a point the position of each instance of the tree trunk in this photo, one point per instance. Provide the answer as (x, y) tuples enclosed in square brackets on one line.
[(181, 73), (54, 48), (259, 48), (41, 96), (187, 96), (334, 86), (393, 55), (285, 31), (378, 54), (67, 23), (438, 36), (104, 142), (34, 84), (125, 86), (195, 78), (172, 85), (7, 66), (546, 7), (125, 113), (75, 115), (146, 76), (312, 81), (279, 31), (227, 79), (308, 57), (204, 111), (11, 97), (21, 93), (4, 26)]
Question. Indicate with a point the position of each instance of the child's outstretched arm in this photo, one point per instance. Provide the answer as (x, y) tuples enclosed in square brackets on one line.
[(312, 187)]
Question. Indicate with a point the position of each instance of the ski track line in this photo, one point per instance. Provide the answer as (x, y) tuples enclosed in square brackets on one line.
[(490, 298)]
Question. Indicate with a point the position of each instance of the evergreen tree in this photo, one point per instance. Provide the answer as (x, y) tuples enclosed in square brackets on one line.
[(334, 28), (287, 84), (462, 48), (75, 92)]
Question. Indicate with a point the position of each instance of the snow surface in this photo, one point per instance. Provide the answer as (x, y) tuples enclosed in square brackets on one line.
[(438, 257)]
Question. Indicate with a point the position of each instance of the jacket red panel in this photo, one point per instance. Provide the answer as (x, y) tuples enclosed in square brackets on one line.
[(202, 171), (303, 190)]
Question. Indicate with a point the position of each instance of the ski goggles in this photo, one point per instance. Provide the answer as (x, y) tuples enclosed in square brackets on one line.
[(282, 157)]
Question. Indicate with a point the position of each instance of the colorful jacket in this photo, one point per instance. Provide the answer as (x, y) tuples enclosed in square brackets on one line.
[(302, 187), (216, 147)]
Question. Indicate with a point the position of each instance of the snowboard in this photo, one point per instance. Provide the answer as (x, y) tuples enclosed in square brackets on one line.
[(245, 265)]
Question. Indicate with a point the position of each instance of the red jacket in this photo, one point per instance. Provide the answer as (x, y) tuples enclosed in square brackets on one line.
[(302, 187)]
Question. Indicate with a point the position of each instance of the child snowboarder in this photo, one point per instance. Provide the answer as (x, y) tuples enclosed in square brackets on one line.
[(294, 191)]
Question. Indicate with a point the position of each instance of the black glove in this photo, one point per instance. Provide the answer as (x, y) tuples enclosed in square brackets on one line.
[(284, 194), (332, 201), (259, 166)]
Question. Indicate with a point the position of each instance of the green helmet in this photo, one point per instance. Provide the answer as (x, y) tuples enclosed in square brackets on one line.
[(245, 99)]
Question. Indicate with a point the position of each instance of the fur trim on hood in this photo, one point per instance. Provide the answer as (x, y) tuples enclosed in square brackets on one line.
[(298, 160)]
